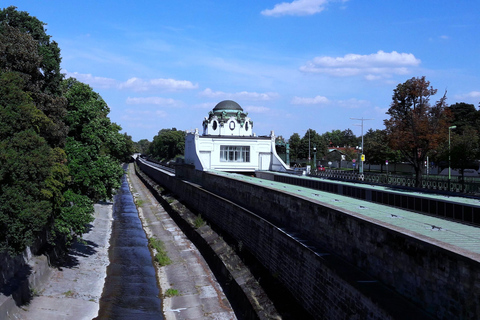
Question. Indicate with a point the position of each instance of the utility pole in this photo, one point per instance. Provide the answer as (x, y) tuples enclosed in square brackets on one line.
[(362, 157)]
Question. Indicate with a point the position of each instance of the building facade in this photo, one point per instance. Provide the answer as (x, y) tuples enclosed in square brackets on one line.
[(229, 144)]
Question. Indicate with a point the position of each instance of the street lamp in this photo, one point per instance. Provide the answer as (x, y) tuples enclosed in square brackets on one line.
[(362, 156), (449, 157), (309, 145)]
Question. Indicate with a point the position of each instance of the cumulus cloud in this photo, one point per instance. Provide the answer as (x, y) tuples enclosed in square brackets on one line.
[(472, 95), (256, 109), (321, 100), (135, 84), (97, 82), (153, 101), (244, 95), (308, 101), (139, 85), (373, 66), (297, 8)]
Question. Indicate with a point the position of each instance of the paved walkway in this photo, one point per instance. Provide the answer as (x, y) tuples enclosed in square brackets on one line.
[(74, 291), (199, 294)]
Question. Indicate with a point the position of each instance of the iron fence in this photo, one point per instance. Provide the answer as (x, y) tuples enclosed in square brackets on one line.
[(469, 185)]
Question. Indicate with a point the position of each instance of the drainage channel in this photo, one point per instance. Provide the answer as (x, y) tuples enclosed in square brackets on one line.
[(131, 290)]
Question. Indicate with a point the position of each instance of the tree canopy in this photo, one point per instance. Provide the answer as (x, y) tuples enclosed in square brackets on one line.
[(59, 151), (167, 144), (415, 126)]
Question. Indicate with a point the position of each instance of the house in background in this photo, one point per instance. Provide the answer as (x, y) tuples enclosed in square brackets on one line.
[(229, 144)]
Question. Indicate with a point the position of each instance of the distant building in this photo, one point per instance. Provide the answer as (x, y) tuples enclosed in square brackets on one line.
[(229, 144)]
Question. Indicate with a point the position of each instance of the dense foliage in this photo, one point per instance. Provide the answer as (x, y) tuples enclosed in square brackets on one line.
[(59, 152), (168, 144), (416, 127)]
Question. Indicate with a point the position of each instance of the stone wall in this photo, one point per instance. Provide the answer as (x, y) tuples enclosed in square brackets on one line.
[(327, 275)]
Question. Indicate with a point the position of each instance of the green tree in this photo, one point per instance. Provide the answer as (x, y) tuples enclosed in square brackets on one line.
[(377, 150), (464, 115), (30, 170), (294, 142), (94, 146), (465, 149), (415, 127), (310, 140), (168, 144), (333, 138), (25, 48), (142, 146)]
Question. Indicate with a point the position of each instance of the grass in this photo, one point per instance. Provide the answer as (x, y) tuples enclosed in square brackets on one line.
[(171, 293), (68, 293), (161, 256), (198, 222), (139, 202)]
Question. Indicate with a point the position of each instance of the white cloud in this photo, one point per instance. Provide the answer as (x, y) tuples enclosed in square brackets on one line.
[(138, 85), (97, 82), (253, 96), (256, 109), (316, 100), (353, 103), (153, 101), (297, 8), (373, 66), (473, 95), (321, 100), (135, 84)]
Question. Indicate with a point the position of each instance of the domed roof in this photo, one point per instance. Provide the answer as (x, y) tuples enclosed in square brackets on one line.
[(227, 105)]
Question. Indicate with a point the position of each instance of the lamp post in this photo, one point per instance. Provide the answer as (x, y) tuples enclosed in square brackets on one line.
[(360, 169), (315, 158), (309, 145), (449, 157)]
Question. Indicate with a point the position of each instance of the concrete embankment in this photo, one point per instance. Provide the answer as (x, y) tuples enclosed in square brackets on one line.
[(73, 290)]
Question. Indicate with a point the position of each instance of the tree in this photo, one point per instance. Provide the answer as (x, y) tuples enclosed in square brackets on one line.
[(94, 146), (349, 139), (294, 143), (142, 146), (310, 140), (377, 150), (415, 127), (26, 49), (31, 176), (465, 149), (168, 144)]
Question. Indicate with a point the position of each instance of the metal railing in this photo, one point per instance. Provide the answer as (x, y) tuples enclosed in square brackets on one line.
[(469, 185)]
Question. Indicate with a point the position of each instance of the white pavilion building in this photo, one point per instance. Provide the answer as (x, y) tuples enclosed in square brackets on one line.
[(229, 144)]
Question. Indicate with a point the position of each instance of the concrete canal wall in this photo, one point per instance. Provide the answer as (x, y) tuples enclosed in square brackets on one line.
[(410, 275)]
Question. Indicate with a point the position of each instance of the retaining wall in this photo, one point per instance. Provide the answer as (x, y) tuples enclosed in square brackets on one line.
[(441, 282)]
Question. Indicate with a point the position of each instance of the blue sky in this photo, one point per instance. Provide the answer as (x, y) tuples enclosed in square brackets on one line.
[(291, 65)]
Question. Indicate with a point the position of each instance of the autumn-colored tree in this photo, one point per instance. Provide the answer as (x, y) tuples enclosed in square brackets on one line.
[(415, 126)]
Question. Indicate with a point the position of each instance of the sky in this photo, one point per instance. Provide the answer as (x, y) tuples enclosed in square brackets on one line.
[(291, 65)]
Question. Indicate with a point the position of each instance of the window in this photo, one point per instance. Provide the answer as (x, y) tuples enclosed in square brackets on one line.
[(214, 126), (234, 154), (232, 125)]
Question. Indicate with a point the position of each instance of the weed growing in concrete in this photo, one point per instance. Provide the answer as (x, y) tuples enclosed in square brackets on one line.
[(171, 293), (34, 292), (139, 202), (161, 256), (68, 293), (198, 222)]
